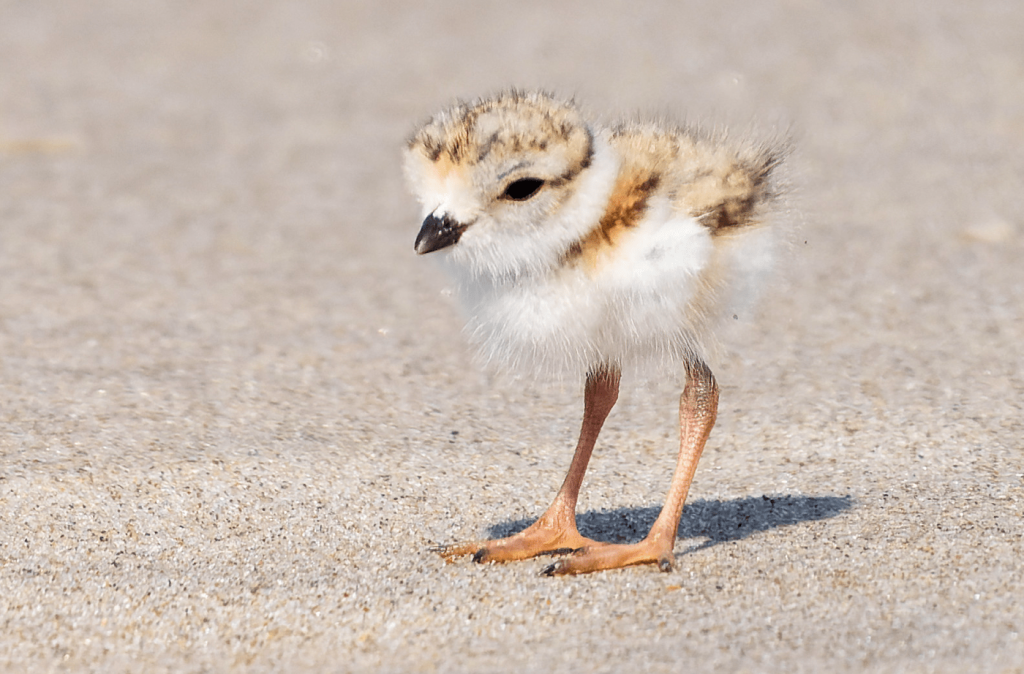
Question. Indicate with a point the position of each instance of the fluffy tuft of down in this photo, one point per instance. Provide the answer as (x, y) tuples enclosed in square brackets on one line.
[(638, 238)]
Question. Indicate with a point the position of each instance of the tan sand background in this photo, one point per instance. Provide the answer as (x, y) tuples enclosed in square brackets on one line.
[(236, 410)]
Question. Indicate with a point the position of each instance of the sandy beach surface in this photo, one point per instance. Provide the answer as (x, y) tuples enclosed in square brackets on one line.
[(237, 410)]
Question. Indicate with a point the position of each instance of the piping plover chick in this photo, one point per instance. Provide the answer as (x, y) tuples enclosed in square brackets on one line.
[(585, 250)]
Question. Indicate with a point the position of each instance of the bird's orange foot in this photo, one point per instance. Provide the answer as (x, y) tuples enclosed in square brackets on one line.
[(540, 538), (613, 556)]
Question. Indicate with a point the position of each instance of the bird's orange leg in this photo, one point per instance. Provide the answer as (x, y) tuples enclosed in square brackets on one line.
[(556, 530), (698, 408)]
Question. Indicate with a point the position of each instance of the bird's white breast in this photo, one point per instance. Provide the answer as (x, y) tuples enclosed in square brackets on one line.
[(633, 307)]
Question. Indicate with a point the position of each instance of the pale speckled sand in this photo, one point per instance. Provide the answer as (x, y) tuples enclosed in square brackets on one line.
[(236, 410)]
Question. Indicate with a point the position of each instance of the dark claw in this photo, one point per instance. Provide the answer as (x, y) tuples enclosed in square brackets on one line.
[(550, 569), (665, 564), (480, 556)]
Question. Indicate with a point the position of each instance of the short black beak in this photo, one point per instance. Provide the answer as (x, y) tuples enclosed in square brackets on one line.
[(438, 233)]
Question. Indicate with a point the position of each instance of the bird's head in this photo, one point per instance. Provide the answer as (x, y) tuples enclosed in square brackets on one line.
[(496, 179)]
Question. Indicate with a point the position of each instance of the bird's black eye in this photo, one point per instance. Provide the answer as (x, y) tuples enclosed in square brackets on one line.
[(522, 189)]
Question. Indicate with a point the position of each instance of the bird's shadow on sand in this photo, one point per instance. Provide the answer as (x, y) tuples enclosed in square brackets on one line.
[(716, 521)]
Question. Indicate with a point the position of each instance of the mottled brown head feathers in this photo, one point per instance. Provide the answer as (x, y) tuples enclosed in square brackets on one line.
[(512, 123)]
